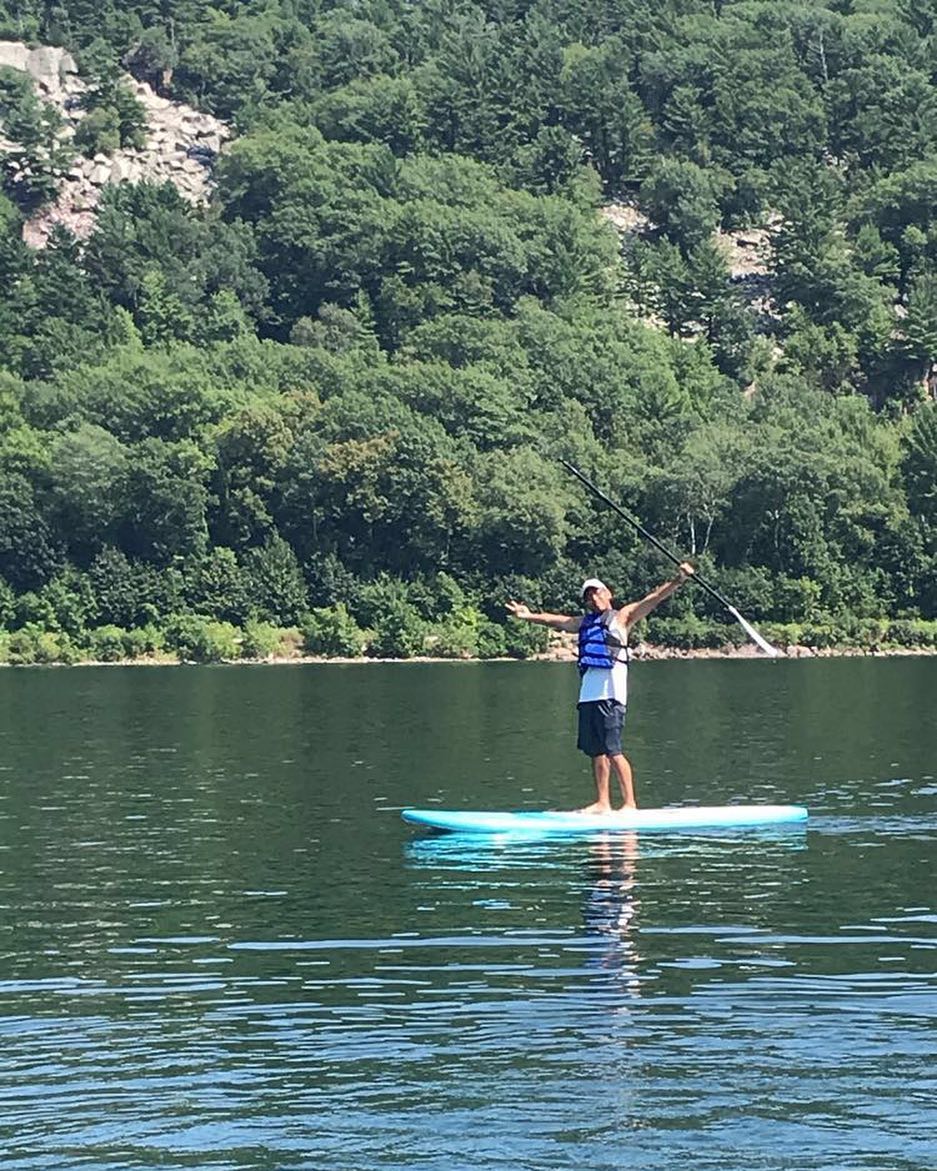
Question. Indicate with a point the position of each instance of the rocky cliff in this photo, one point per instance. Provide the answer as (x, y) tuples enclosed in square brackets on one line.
[(181, 143)]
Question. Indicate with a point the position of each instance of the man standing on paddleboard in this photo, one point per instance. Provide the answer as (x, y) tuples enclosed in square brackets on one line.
[(603, 665)]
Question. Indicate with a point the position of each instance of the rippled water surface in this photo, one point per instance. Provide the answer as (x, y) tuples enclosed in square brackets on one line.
[(221, 948)]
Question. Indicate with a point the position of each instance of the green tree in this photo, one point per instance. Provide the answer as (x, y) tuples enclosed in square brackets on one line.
[(521, 524), (350, 49), (197, 639), (39, 157), (154, 57), (215, 584), (98, 132), (920, 463), (87, 476), (901, 206), (113, 116), (29, 552), (170, 394), (252, 448), (275, 582), (883, 114), (7, 600), (227, 62), (691, 493), (826, 355), (461, 87), (381, 109), (399, 633), (167, 499), (146, 234), (471, 403), (65, 603), (919, 329), (318, 214), (875, 256), (132, 594), (599, 106), (333, 632), (161, 316), (683, 200), (554, 164)]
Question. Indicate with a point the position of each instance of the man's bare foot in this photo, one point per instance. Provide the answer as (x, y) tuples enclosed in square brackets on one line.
[(596, 807)]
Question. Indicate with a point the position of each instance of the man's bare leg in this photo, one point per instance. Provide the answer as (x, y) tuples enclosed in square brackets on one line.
[(601, 770), (622, 767)]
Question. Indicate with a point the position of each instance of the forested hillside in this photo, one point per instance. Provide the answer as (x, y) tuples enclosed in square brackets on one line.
[(335, 399)]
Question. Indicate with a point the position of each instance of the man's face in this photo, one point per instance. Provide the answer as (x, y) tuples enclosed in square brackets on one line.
[(598, 600)]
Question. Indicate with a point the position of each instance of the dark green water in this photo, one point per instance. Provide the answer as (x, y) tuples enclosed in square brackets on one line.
[(221, 948)]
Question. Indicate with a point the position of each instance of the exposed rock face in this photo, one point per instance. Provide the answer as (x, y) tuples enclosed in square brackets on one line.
[(47, 67), (182, 143), (747, 254), (624, 218), (746, 251)]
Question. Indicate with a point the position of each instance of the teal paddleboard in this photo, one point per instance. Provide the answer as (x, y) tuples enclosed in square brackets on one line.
[(558, 822)]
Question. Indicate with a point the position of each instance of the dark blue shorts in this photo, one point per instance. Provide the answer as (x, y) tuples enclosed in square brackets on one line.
[(600, 727)]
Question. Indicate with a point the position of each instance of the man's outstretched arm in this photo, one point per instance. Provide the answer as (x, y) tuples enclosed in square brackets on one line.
[(633, 612), (554, 621)]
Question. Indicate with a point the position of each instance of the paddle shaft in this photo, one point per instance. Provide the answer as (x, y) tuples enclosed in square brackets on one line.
[(596, 491)]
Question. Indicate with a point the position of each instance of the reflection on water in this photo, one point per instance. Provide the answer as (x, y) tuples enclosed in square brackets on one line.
[(603, 866), (611, 905), (220, 947)]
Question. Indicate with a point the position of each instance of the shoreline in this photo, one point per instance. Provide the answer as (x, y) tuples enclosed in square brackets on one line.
[(644, 653)]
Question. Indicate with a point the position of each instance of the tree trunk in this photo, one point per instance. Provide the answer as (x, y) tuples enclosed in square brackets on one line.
[(709, 529)]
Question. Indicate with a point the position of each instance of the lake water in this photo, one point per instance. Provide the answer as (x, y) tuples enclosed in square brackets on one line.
[(220, 947)]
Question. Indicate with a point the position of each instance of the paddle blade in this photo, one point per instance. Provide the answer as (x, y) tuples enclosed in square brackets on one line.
[(753, 634)]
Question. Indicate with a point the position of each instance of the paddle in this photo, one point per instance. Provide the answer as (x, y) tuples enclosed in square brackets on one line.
[(746, 626)]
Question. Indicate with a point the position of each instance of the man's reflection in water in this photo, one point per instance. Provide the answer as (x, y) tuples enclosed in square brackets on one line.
[(611, 906)]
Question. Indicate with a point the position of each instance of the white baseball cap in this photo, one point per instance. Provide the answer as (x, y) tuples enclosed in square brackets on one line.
[(592, 583)]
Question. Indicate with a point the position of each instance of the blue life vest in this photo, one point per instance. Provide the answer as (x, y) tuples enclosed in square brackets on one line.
[(598, 647)]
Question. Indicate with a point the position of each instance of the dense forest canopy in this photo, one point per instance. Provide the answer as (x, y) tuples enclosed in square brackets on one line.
[(336, 398)]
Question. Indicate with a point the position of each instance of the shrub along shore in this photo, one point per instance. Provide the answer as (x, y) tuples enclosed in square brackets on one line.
[(333, 635)]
